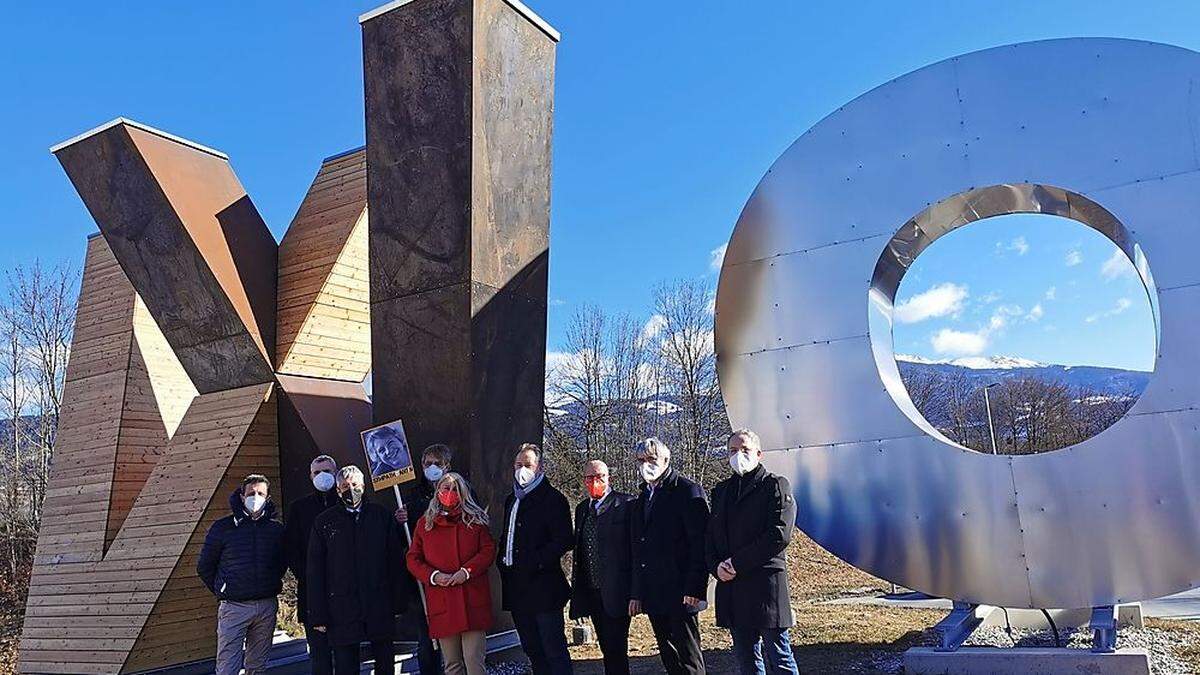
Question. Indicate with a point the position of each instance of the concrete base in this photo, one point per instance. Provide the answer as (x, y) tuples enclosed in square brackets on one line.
[(981, 660), (1128, 616)]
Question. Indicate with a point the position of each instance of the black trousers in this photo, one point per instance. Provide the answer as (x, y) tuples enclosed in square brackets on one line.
[(678, 637), (346, 659), (544, 640), (320, 654), (612, 632)]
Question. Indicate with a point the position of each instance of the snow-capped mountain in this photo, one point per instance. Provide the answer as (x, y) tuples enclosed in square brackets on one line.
[(985, 370), (977, 362)]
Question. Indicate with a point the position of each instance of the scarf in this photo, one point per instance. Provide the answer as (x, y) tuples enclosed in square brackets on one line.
[(520, 492)]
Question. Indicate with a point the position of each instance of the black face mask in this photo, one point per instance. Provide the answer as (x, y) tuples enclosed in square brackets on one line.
[(351, 497)]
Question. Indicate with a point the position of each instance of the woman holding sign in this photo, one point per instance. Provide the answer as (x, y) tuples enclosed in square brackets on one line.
[(450, 556)]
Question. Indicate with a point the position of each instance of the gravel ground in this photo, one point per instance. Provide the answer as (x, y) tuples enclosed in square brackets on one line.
[(1163, 641)]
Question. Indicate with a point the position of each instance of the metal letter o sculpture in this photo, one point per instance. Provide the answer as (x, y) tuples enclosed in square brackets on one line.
[(1103, 131)]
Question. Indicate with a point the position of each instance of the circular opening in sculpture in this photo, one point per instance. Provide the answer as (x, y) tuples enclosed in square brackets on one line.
[(1023, 334)]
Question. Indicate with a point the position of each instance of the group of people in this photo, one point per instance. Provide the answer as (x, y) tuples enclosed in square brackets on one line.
[(652, 553)]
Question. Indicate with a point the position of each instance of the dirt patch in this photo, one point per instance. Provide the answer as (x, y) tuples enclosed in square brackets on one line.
[(10, 635)]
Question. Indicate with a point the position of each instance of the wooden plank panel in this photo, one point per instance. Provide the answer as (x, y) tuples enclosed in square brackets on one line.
[(126, 599), (156, 647), (326, 241)]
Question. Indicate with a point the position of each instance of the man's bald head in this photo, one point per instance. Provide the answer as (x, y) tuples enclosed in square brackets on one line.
[(595, 466)]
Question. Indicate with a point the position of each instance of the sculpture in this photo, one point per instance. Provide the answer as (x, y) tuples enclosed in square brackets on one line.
[(1099, 130), (204, 351)]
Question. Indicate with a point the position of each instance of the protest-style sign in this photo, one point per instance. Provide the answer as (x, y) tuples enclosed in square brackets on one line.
[(388, 456)]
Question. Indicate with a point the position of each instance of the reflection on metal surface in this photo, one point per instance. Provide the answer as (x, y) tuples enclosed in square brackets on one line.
[(1101, 131)]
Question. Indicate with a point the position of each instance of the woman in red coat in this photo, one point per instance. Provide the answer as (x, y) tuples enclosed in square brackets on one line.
[(450, 555)]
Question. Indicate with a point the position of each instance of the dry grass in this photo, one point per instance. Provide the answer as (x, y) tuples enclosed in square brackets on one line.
[(826, 638), (833, 638)]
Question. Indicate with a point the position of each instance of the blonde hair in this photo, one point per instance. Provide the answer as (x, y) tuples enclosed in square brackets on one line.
[(472, 513)]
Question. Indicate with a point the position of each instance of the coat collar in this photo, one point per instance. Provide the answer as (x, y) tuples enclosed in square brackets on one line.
[(239, 508), (744, 485), (668, 480)]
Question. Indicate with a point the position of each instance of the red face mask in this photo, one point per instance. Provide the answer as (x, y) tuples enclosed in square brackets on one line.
[(448, 498), (595, 487)]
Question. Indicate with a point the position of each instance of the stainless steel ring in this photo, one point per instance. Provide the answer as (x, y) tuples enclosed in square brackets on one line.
[(1104, 131)]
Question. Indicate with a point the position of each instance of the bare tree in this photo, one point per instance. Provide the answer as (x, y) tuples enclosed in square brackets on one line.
[(597, 392), (44, 302), (1030, 414), (684, 348), (13, 395)]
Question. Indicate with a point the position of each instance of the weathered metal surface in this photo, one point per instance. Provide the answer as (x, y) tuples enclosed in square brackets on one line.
[(1103, 131), (459, 99), (191, 243), (318, 416)]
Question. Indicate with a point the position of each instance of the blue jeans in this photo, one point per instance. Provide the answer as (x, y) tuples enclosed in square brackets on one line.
[(544, 640), (750, 646)]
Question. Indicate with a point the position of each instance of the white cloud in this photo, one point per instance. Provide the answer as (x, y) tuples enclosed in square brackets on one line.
[(959, 343), (990, 298), (1036, 313), (1017, 245), (967, 343), (711, 307), (1119, 308), (1117, 265), (716, 257), (1052, 293), (941, 300), (1074, 257), (654, 325)]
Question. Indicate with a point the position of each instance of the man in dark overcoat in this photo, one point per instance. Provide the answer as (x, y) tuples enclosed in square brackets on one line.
[(669, 580), (537, 534), (753, 514), (355, 589), (601, 569)]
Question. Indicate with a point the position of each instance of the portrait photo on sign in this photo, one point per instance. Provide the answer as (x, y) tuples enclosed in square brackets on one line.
[(388, 457)]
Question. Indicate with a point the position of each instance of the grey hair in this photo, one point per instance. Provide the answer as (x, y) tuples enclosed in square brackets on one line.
[(750, 438), (653, 446), (349, 473), (324, 458)]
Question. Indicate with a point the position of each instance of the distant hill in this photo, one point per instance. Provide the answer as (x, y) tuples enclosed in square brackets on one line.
[(981, 371)]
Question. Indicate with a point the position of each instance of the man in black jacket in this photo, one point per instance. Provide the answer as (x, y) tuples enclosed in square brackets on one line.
[(600, 572), (669, 577), (300, 518), (355, 559), (752, 519), (242, 564), (537, 534)]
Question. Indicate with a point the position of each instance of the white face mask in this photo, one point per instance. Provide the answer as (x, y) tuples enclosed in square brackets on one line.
[(323, 481), (524, 476), (254, 503), (742, 463), (651, 471), (434, 473)]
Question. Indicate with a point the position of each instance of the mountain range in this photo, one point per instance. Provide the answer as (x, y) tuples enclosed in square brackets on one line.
[(984, 370)]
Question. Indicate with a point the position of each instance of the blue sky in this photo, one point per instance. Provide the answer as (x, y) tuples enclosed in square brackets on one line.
[(1034, 286), (667, 115)]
